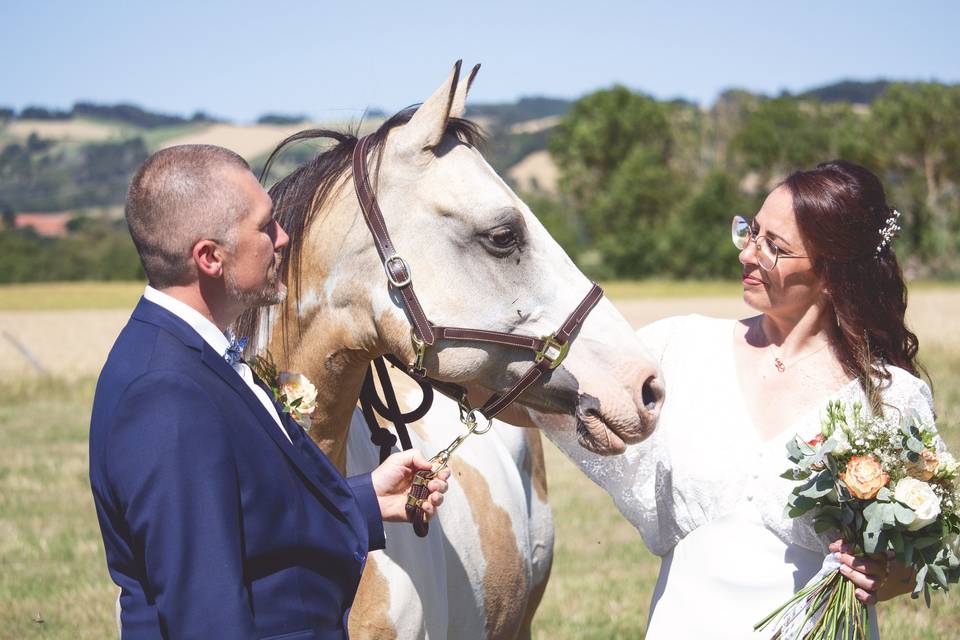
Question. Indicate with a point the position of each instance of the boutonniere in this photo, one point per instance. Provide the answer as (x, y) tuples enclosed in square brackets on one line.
[(295, 393)]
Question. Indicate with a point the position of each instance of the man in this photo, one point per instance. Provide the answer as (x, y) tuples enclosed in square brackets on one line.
[(220, 518)]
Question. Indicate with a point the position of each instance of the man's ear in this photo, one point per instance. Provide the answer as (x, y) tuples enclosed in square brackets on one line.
[(208, 258)]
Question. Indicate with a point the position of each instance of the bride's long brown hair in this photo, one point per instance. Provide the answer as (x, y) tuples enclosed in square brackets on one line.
[(841, 210)]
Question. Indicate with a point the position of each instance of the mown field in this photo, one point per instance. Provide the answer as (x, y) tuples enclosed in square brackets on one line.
[(53, 580)]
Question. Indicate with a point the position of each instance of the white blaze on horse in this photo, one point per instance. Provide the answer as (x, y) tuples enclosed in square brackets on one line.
[(479, 259)]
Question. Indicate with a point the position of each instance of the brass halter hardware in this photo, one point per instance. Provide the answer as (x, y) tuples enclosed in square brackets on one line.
[(419, 353), (553, 351)]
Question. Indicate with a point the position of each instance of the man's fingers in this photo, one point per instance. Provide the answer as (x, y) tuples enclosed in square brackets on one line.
[(437, 485), (429, 509)]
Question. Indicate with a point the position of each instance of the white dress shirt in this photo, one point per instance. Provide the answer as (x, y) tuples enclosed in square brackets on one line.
[(215, 338)]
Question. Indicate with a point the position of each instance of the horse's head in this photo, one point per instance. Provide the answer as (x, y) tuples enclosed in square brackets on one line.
[(479, 259)]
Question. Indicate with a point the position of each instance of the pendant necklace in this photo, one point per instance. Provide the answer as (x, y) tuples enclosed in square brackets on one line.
[(781, 366)]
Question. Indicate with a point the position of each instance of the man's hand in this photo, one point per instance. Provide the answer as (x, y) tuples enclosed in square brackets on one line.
[(392, 480)]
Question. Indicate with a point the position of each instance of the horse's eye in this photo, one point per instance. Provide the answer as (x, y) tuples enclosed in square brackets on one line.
[(503, 237)]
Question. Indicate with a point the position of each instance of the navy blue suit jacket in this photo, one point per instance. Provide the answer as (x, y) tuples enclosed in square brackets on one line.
[(214, 525)]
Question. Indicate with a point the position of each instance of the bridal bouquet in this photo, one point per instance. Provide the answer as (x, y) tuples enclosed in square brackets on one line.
[(884, 485)]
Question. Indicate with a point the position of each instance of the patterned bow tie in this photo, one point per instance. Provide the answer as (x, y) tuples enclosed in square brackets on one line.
[(234, 352)]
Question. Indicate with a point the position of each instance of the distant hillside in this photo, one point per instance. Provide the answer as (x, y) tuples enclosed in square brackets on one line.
[(56, 160), (122, 113), (524, 109), (852, 91)]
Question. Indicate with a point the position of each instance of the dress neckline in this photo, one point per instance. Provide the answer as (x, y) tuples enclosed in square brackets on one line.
[(795, 427)]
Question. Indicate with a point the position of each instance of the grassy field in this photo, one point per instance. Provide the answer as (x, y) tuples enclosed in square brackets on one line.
[(63, 296), (53, 580)]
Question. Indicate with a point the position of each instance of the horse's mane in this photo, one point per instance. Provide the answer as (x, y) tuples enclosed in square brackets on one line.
[(299, 197)]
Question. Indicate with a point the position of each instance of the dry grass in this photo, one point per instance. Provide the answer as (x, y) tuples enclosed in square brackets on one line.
[(536, 172), (51, 557), (74, 130)]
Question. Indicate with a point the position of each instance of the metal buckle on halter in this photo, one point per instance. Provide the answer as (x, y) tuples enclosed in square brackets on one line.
[(553, 351), (403, 264), (419, 352)]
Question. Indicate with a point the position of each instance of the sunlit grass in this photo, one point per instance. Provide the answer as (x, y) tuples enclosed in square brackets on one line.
[(51, 556), (56, 296)]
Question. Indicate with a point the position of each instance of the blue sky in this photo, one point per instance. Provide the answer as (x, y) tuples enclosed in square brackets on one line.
[(240, 59)]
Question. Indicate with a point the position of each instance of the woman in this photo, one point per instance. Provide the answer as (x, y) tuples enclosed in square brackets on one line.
[(706, 494)]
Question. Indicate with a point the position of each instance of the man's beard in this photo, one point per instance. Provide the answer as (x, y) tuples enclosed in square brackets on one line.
[(272, 292)]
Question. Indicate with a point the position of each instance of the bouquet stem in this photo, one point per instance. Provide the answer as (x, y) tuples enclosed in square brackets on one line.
[(827, 609)]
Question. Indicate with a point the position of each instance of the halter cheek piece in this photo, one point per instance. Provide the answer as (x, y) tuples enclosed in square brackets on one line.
[(548, 353)]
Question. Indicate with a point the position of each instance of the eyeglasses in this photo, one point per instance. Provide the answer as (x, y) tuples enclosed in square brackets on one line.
[(741, 231)]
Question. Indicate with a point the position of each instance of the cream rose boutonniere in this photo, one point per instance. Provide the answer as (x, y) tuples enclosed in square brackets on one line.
[(295, 393), (298, 396)]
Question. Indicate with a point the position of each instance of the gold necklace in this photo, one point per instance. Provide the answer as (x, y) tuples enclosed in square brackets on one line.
[(781, 366)]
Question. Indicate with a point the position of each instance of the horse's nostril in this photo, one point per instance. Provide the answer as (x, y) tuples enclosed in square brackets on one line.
[(652, 393)]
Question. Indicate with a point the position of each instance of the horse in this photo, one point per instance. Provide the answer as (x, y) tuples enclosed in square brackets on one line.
[(480, 259)]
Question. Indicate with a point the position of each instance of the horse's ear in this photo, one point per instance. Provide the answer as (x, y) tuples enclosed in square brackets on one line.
[(460, 97), (427, 126)]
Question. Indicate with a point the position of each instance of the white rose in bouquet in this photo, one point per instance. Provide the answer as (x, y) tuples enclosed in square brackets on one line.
[(919, 496)]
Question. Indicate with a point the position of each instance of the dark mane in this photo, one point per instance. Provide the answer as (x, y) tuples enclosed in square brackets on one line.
[(300, 196)]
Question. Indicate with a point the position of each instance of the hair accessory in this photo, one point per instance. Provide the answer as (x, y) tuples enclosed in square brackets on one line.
[(889, 231)]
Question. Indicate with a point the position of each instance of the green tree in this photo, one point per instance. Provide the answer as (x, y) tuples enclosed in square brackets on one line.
[(697, 240), (782, 135), (614, 149), (599, 132), (918, 128)]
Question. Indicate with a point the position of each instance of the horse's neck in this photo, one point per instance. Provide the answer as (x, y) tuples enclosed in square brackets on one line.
[(337, 372)]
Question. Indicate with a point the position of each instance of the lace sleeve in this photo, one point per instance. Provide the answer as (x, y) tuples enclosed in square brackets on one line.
[(911, 395), (656, 336)]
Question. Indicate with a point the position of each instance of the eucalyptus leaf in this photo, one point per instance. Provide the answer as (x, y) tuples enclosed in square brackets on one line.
[(818, 487), (888, 514), (898, 543), (884, 495), (915, 445), (921, 581), (795, 474), (937, 572), (871, 539), (794, 450), (904, 515)]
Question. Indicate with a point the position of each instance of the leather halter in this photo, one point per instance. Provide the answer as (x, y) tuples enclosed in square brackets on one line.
[(549, 351)]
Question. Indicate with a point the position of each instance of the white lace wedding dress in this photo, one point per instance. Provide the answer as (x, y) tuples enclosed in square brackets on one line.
[(705, 494)]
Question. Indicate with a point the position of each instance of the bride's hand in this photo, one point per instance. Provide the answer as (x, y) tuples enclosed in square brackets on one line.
[(877, 578)]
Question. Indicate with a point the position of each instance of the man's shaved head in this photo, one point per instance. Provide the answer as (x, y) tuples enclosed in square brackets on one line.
[(181, 195)]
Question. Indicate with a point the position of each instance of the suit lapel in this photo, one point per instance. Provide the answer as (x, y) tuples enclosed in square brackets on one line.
[(319, 473)]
